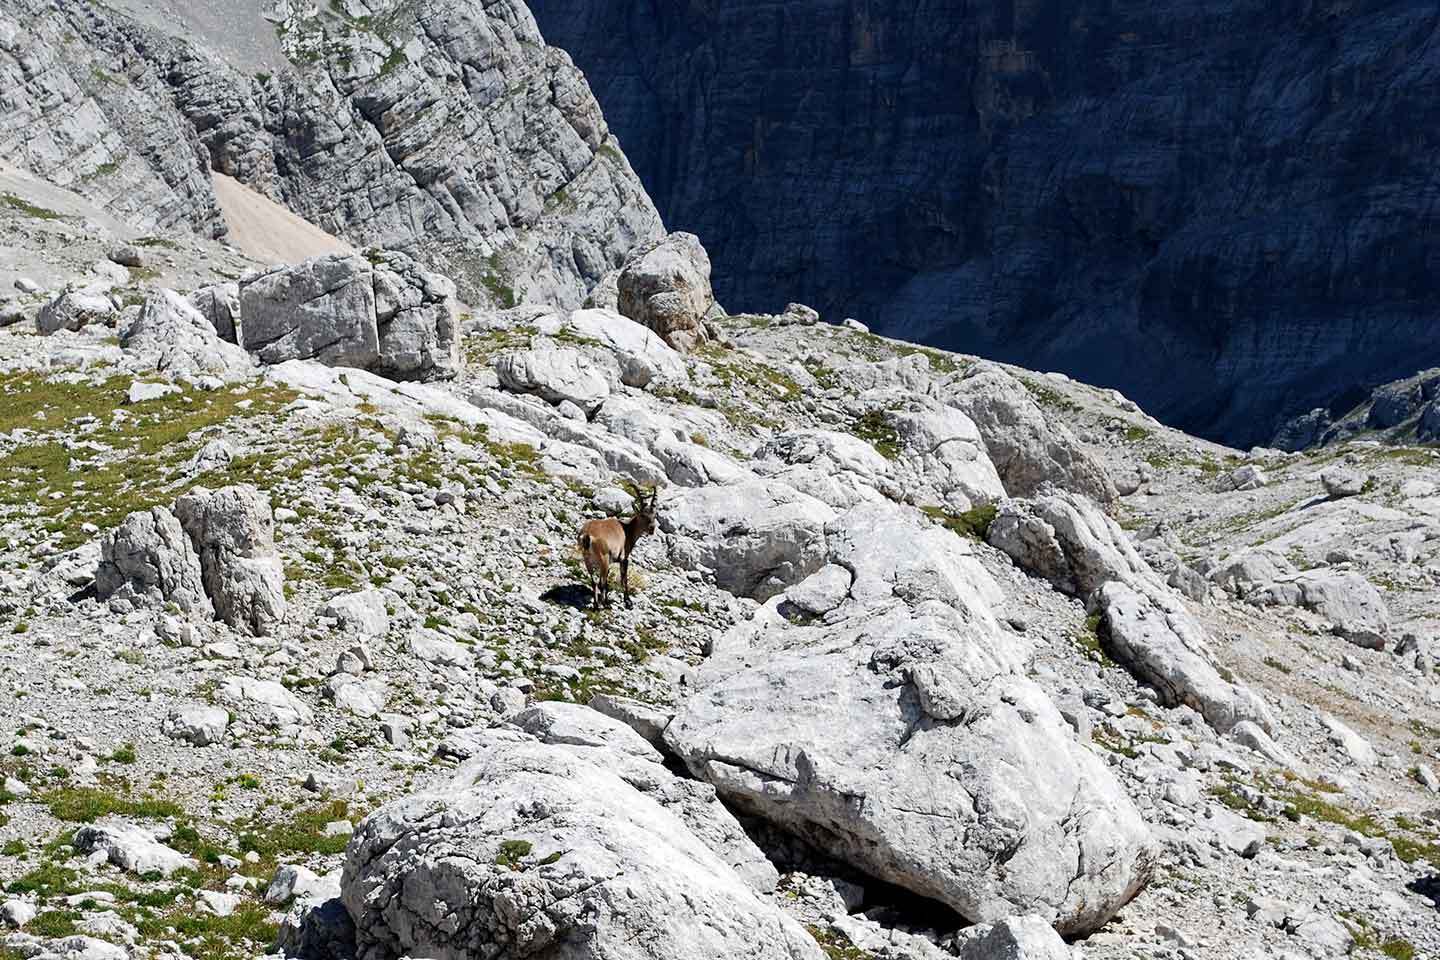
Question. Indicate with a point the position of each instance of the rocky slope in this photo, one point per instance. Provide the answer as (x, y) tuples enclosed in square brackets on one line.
[(450, 130), (930, 656), (1221, 209)]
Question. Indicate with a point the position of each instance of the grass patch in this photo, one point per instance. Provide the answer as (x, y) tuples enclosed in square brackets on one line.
[(973, 523), (140, 449), (88, 804), (28, 208), (877, 431), (837, 946)]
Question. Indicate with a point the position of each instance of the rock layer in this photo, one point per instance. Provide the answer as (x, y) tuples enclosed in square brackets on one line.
[(1105, 190)]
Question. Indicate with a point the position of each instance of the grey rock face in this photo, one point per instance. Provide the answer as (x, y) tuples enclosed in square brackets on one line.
[(131, 848), (322, 309), (74, 310), (232, 530), (1069, 542), (454, 131), (899, 732), (1063, 218), (220, 304), (197, 725), (666, 287), (556, 374), (758, 536), (171, 337), (389, 317), (150, 560), (1028, 448), (1351, 603), (87, 111), (534, 851)]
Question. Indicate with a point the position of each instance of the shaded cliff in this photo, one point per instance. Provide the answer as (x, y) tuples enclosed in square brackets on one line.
[(1226, 210), (449, 129)]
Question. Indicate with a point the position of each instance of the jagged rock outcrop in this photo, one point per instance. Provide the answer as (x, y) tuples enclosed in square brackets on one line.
[(382, 314), (1399, 411), (1068, 541), (232, 530), (150, 560), (896, 729), (1059, 186), (1028, 448), (170, 337), (666, 287), (73, 310), (537, 850), (450, 129), (757, 536)]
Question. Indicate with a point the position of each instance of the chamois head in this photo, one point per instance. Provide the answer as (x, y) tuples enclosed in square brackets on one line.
[(644, 518)]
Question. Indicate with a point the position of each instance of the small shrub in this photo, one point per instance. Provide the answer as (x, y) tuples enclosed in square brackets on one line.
[(513, 853)]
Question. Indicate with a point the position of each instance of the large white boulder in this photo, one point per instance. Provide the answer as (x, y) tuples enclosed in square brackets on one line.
[(169, 336), (322, 309), (898, 732), (757, 536), (554, 373), (1066, 539), (148, 561), (74, 310), (1029, 449), (537, 851), (1351, 604), (643, 357), (666, 287), (263, 701), (131, 848)]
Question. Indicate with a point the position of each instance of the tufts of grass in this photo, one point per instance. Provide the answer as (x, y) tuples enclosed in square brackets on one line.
[(88, 804), (973, 523), (877, 431), (27, 208)]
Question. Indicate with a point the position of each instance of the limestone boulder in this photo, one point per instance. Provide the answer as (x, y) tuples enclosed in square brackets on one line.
[(1028, 448), (149, 561), (169, 336), (233, 531), (899, 733), (534, 850), (666, 287), (757, 536), (1067, 540)]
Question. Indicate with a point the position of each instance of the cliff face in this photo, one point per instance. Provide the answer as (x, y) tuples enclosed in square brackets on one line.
[(450, 129), (1226, 209)]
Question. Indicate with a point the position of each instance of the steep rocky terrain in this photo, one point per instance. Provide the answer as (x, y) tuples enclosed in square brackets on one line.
[(929, 656), (449, 130), (1223, 209)]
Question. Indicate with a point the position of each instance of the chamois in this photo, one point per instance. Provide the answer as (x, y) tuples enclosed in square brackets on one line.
[(603, 542)]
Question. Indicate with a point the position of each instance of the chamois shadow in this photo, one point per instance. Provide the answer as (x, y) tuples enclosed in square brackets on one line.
[(1428, 887), (573, 595)]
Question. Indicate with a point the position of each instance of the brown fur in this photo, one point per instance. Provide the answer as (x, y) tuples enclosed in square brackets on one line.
[(603, 542)]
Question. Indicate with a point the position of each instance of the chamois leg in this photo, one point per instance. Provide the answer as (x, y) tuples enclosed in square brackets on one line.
[(604, 580), (625, 581)]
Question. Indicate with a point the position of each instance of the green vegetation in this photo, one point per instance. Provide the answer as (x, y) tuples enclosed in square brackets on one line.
[(836, 945), (303, 832), (1275, 664), (973, 523), (88, 804), (513, 853), (50, 482), (1050, 397), (27, 208), (876, 429)]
